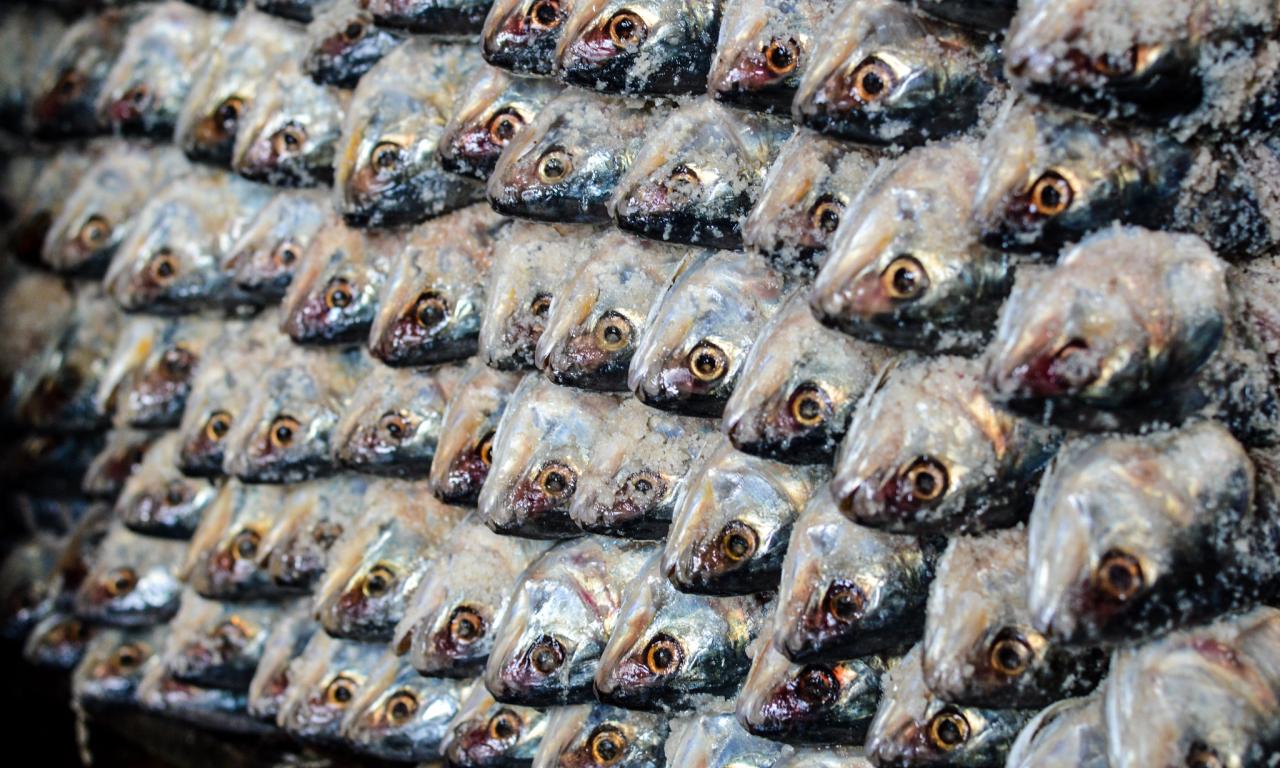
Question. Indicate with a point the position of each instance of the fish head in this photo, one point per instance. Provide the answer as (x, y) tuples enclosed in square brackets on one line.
[(391, 424), (158, 500), (289, 134), (113, 664), (132, 581), (764, 49), (344, 43), (287, 639), (522, 35), (333, 295), (1069, 732), (119, 458), (489, 734), (58, 642), (591, 735), (488, 115), (711, 739), (698, 334), (222, 648), (399, 714), (264, 260), (64, 94), (207, 420), (315, 517), (24, 592), (324, 683), (464, 451), (223, 558), (157, 392)]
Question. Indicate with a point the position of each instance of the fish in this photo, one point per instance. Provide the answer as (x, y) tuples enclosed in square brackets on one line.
[(990, 15), (57, 642), (220, 709), (799, 386), (332, 296), (263, 261), (927, 452), (595, 326), (908, 269), (227, 7), (713, 739), (38, 306), (133, 343), (598, 734), (227, 81), (158, 500), (429, 307), (391, 424), (530, 261), (731, 527), (621, 46), (488, 734), (75, 552), (67, 87), (295, 10), (1222, 682), (40, 199), (108, 673), (343, 43), (286, 640), (447, 18), (1132, 536), (119, 458), (447, 629), (697, 175), (548, 643), (159, 61), (540, 450), (764, 51), (1068, 734), (289, 134), (824, 757), (568, 162), (697, 336), (980, 647), (848, 591), (464, 449), (915, 727), (102, 209), (24, 589), (639, 469), (47, 463), (133, 580), (806, 192), (376, 565), (170, 263), (216, 645), (521, 36), (897, 77), (155, 394), (28, 36), (817, 703), (313, 517), (400, 715), (388, 170), (490, 112), (323, 683), (668, 649), (223, 560)]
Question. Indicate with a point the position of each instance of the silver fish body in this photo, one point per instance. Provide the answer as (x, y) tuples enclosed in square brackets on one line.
[(324, 682), (494, 108), (992, 15), (1068, 734), (314, 516), (489, 734), (68, 85), (108, 673), (344, 44), (263, 260), (464, 450), (133, 580), (716, 740), (223, 558), (297, 10), (825, 757), (521, 35), (400, 715), (391, 424), (216, 645), (595, 734), (157, 499), (436, 17), (219, 709)]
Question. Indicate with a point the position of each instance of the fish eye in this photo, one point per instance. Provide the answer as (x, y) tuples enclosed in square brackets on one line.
[(138, 95), (227, 114), (809, 405), (339, 294), (386, 157), (683, 177), (708, 363), (245, 545), (120, 581), (738, 541), (554, 166), (504, 125), (285, 254), (608, 746), (845, 601), (545, 14), (69, 83), (283, 431), (1051, 194), (430, 310), (873, 79), (540, 305), (948, 729), (627, 29), (1011, 655), (904, 279), (353, 31), (926, 480), (163, 266), (817, 685), (781, 56), (396, 425), (1119, 576), (177, 362), (612, 332), (546, 655), (378, 581), (401, 707), (1202, 756), (505, 725), (825, 214), (94, 233), (663, 655), (340, 691), (175, 493), (233, 631), (466, 625), (645, 484), (486, 450), (129, 656), (325, 534), (557, 481), (289, 139), (217, 426)]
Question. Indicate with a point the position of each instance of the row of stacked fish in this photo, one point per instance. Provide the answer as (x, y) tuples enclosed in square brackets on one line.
[(758, 383)]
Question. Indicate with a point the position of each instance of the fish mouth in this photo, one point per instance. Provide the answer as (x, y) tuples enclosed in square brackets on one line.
[(593, 61), (128, 114), (462, 481), (1066, 371), (469, 152), (512, 44), (675, 389), (295, 566), (201, 458), (629, 685), (470, 744), (749, 83), (903, 745), (435, 18), (313, 322), (649, 211)]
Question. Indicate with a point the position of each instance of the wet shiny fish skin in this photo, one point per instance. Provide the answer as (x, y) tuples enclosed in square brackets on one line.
[(794, 367), (980, 647), (40, 200), (917, 65), (639, 468), (155, 394), (907, 269), (530, 262), (580, 736), (447, 630), (314, 515), (927, 452), (297, 10), (401, 715), (848, 591), (913, 727), (119, 457), (388, 166), (824, 757), (343, 43), (697, 175), (67, 86), (709, 740), (487, 734), (137, 336), (568, 162), (599, 317), (133, 580), (223, 710), (491, 110), (156, 67), (1068, 734), (57, 642), (446, 18), (992, 15), (1222, 682), (805, 194), (428, 310), (263, 261), (223, 559), (666, 48), (517, 41), (668, 649), (332, 297), (765, 47), (391, 423), (287, 639), (548, 644), (108, 673), (228, 80), (157, 499), (730, 529), (699, 333), (464, 450), (541, 448), (1133, 536), (323, 682), (216, 645)]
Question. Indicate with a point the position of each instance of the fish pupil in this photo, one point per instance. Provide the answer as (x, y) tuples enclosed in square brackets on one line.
[(174, 496), (545, 660), (219, 427), (643, 486), (341, 694), (904, 281), (284, 434), (503, 728), (554, 168), (466, 629), (872, 84), (545, 13), (613, 334), (353, 31), (395, 429), (555, 482), (246, 547), (706, 363), (828, 219), (624, 28), (809, 408), (400, 709), (780, 57), (1050, 197), (607, 749), (505, 128), (738, 545), (949, 732)]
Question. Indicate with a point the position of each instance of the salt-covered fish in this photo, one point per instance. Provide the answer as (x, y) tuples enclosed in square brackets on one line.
[(765, 48), (391, 424), (157, 499), (343, 43), (494, 109), (488, 734), (464, 451), (133, 580), (263, 261), (598, 734), (332, 296)]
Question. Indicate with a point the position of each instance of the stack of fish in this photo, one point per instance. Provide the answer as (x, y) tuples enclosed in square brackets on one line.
[(709, 383)]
